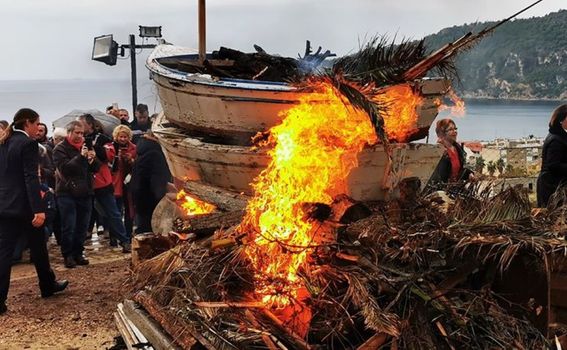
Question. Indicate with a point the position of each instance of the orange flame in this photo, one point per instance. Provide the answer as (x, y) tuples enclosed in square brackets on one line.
[(457, 109), (400, 116), (314, 149), (193, 206)]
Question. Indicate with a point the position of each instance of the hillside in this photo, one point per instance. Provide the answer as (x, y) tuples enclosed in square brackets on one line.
[(523, 59)]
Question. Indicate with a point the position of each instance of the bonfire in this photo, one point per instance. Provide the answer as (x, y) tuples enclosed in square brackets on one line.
[(302, 269)]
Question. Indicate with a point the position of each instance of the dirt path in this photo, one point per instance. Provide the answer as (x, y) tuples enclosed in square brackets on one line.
[(80, 317)]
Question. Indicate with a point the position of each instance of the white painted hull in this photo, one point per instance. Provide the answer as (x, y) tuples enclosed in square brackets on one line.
[(235, 167), (238, 109)]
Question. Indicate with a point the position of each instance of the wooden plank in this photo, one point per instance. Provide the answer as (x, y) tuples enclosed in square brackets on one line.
[(221, 198), (298, 342), (374, 342), (558, 298), (185, 335), (558, 315), (207, 224), (142, 341), (155, 334), (558, 281), (230, 304), (126, 336)]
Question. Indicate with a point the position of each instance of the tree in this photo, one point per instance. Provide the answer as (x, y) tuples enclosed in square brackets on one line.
[(479, 165), (491, 167), (500, 166)]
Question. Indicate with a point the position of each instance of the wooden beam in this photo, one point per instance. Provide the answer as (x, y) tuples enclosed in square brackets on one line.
[(298, 342), (206, 224), (124, 332), (142, 341), (185, 335), (228, 304), (223, 199), (202, 31), (155, 334), (374, 342)]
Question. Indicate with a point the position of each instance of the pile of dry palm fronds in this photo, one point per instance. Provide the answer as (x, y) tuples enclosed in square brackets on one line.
[(416, 277)]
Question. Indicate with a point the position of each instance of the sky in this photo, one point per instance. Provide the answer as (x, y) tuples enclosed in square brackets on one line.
[(52, 39)]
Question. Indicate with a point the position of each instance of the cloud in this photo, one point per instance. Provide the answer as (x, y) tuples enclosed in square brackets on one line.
[(52, 39)]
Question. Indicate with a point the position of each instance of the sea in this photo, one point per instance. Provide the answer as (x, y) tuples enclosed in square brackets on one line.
[(482, 120)]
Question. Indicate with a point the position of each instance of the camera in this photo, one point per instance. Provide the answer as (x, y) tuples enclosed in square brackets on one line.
[(89, 143)]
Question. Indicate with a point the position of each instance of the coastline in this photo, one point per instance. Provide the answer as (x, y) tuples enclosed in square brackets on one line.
[(468, 97)]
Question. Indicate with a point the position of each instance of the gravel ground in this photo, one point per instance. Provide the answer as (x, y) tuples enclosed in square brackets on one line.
[(80, 317)]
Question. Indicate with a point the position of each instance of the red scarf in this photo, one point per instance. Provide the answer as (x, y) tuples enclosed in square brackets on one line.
[(455, 164), (77, 145)]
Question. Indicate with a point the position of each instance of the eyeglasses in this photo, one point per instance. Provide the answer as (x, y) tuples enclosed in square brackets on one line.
[(451, 129)]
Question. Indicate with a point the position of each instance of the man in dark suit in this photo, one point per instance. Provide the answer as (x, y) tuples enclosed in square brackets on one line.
[(21, 209)]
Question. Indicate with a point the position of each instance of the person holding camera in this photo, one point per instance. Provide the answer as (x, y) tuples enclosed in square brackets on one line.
[(122, 153), (103, 183), (75, 165)]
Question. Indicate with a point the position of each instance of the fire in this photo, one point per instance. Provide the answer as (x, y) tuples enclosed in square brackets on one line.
[(457, 109), (314, 149), (193, 206), (400, 116)]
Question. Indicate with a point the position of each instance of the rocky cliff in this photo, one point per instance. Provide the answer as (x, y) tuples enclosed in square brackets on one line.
[(523, 59)]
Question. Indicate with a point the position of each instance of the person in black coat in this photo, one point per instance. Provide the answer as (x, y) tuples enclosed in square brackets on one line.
[(150, 176), (553, 171), (451, 167), (75, 164), (21, 209)]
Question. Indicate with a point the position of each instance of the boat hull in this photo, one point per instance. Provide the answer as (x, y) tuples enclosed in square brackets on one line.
[(239, 109), (234, 167)]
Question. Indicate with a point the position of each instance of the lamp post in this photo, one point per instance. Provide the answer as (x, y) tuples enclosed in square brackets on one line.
[(105, 50)]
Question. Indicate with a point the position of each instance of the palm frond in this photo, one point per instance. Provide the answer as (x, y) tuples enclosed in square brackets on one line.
[(374, 317), (381, 61)]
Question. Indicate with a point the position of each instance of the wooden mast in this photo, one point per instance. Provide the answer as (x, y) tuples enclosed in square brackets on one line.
[(202, 32)]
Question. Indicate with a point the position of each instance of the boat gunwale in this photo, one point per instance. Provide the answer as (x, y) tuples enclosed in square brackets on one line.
[(155, 67)]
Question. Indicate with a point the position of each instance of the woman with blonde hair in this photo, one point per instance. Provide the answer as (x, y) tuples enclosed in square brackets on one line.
[(121, 153)]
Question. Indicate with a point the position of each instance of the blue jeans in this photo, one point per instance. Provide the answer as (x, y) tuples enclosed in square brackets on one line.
[(124, 207), (112, 216), (75, 214)]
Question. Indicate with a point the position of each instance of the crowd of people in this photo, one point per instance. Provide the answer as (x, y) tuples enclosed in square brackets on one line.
[(81, 178), (69, 184)]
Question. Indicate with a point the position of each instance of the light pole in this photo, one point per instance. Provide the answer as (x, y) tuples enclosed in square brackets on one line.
[(105, 50)]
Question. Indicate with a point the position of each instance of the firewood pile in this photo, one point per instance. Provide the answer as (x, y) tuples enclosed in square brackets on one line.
[(420, 272)]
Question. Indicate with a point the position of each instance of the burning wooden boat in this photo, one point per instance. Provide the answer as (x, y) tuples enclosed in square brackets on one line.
[(235, 167), (237, 109)]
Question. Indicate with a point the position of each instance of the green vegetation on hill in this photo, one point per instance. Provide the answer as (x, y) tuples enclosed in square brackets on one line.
[(522, 59)]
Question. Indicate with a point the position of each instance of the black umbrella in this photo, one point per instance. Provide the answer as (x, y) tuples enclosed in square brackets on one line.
[(109, 122)]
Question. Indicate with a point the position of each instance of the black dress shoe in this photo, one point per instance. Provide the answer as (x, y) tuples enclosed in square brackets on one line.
[(57, 287), (3, 307), (81, 260), (126, 247), (70, 262)]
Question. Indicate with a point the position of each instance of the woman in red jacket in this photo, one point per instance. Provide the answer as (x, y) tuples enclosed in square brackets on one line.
[(451, 167), (121, 154)]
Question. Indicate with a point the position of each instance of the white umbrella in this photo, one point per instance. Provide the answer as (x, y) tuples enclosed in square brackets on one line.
[(109, 122)]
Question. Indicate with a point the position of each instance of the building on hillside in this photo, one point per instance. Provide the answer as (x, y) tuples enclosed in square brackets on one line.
[(506, 157)]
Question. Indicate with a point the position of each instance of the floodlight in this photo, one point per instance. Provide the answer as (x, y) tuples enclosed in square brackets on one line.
[(105, 49), (150, 32)]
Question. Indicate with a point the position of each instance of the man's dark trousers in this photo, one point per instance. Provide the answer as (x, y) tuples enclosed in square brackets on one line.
[(75, 216), (10, 230)]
